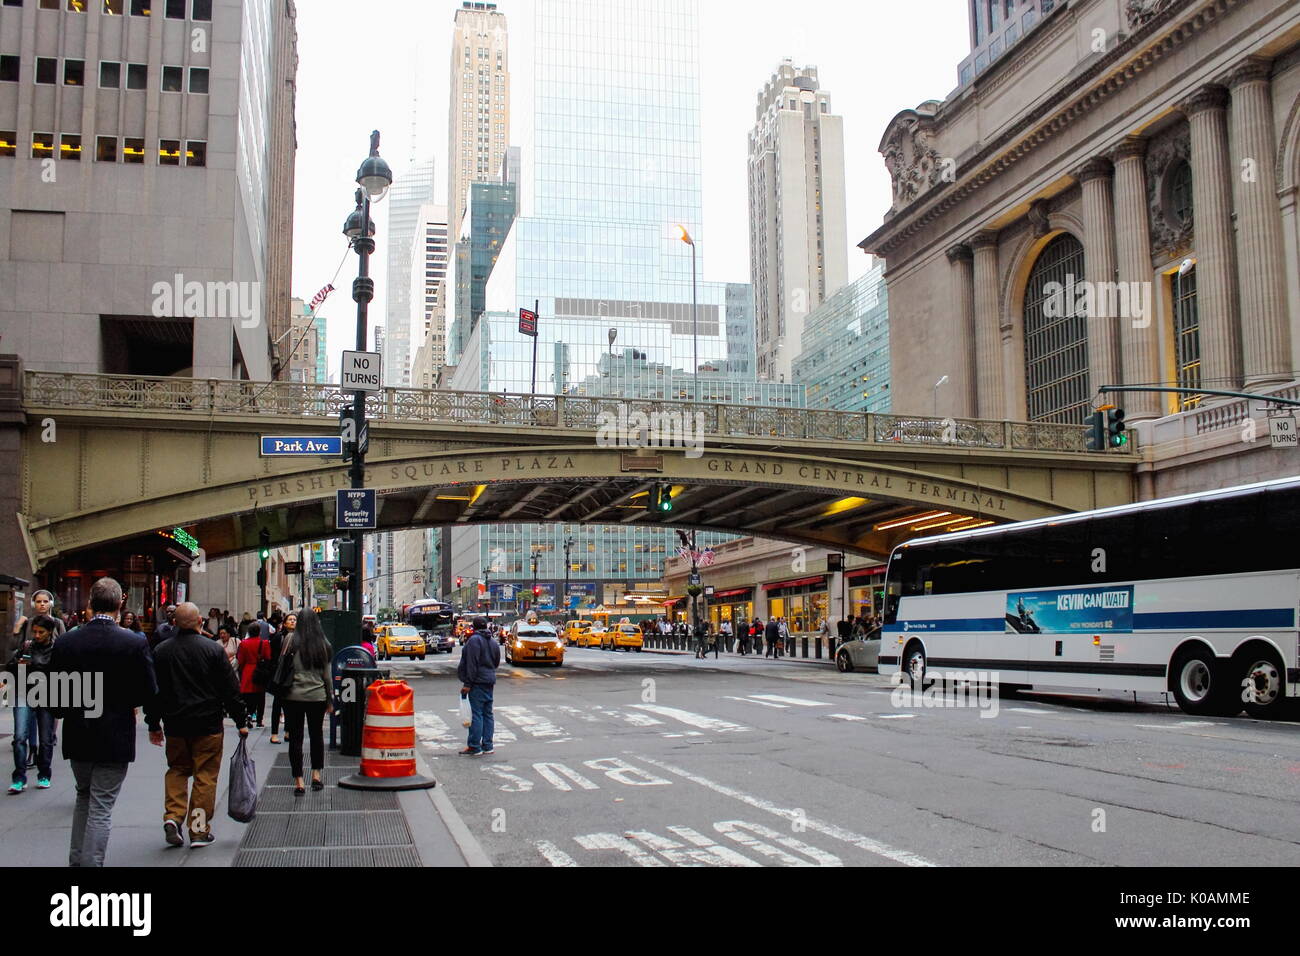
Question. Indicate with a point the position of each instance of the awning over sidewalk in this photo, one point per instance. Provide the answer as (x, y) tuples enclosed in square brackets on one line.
[(797, 583), (734, 593), (864, 573)]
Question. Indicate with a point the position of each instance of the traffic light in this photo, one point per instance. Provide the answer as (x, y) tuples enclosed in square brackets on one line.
[(1115, 428), (264, 540), (1097, 431), (662, 498), (459, 582), (537, 590), (347, 554), (261, 577)]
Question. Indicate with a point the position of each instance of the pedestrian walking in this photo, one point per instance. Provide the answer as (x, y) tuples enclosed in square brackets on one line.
[(771, 634), (368, 640), (742, 636), (32, 656), (42, 603), (101, 747), (167, 629), (131, 621), (229, 644), (214, 621), (253, 650), (784, 643), (196, 685), (844, 631), (277, 639), (308, 698), (478, 677)]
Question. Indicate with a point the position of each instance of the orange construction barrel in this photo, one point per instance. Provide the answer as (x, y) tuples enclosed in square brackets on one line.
[(388, 740)]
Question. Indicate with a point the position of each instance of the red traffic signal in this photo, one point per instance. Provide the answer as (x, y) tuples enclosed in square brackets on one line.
[(459, 581), (537, 590)]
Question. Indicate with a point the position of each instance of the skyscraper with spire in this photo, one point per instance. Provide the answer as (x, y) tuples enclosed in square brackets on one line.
[(479, 113)]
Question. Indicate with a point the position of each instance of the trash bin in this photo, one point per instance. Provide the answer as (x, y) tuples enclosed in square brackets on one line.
[(353, 682)]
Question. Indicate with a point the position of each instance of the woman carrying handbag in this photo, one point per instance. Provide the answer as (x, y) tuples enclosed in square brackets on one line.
[(302, 687)]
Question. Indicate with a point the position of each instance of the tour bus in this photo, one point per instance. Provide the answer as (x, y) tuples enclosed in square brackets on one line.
[(1196, 595), (429, 614)]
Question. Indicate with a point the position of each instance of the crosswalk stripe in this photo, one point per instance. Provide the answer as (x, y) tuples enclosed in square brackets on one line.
[(636, 720), (692, 720), (554, 855), (532, 724), (764, 703), (845, 717), (796, 701)]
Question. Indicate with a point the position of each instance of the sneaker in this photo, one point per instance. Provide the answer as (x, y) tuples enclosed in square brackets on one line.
[(490, 750), (42, 783), (471, 752), (16, 788), (206, 839), (172, 833)]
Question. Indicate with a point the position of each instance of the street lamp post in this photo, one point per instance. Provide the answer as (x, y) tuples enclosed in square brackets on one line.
[(568, 546), (942, 381), (695, 329), (373, 177)]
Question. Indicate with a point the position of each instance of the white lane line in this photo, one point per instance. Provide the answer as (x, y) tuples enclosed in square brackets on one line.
[(904, 857), (763, 702), (692, 720), (1028, 710), (796, 701), (554, 855), (532, 724), (895, 716), (846, 717)]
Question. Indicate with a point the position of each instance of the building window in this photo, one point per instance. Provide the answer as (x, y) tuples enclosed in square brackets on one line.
[(77, 6), (8, 142), (1187, 337), (42, 145), (196, 153), (47, 70), (172, 79), (106, 149), (1056, 337), (113, 8), (175, 10), (137, 76), (49, 4), (9, 69), (141, 8), (133, 150), (12, 3), (74, 72), (1180, 193), (198, 79), (202, 10), (70, 147), (110, 76)]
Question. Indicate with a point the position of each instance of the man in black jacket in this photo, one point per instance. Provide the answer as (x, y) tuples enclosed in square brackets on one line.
[(478, 677), (772, 634), (165, 630), (99, 741), (195, 685)]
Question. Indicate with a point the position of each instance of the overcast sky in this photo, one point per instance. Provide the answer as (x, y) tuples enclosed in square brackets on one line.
[(365, 66)]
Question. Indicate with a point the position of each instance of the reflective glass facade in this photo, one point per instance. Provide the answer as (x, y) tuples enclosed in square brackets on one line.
[(487, 221), (845, 360)]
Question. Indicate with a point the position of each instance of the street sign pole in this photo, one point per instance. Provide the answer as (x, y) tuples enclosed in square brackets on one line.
[(537, 305), (363, 291)]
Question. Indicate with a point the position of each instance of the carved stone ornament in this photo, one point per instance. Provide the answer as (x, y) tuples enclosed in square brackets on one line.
[(1170, 237), (1142, 12), (1040, 217), (913, 163)]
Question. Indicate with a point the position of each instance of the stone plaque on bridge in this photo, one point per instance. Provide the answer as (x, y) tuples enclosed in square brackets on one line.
[(630, 462)]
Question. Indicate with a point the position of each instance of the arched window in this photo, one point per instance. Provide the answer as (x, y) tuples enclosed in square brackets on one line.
[(1056, 335)]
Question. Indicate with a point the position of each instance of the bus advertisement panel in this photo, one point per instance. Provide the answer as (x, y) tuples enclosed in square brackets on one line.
[(1070, 611)]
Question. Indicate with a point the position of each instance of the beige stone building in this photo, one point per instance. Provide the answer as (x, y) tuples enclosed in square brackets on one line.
[(1108, 200), (798, 239), (479, 113)]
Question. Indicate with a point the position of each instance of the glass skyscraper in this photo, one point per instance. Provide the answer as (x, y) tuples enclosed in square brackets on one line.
[(844, 364), (616, 165)]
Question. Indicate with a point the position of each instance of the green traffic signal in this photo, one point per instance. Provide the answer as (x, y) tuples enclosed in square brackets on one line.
[(265, 553), (663, 498), (1115, 427)]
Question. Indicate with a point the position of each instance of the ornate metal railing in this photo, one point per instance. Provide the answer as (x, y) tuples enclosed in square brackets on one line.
[(209, 398)]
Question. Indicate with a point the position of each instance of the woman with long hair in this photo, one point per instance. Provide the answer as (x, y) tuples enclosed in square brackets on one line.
[(278, 640), (308, 699), (131, 621)]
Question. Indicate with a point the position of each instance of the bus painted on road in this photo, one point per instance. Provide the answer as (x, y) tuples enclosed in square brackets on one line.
[(1195, 595)]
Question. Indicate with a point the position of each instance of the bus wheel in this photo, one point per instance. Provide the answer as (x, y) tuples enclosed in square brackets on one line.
[(1263, 678), (1198, 684), (914, 667)]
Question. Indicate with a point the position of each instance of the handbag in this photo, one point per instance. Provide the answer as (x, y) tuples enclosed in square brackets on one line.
[(262, 670), (283, 679), (241, 802)]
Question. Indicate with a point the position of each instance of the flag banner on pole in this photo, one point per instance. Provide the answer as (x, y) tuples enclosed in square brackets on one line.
[(321, 296)]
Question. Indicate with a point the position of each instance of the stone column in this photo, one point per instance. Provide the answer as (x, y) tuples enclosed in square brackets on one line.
[(988, 332), (1140, 359), (966, 404), (1099, 268), (1265, 336), (1216, 280)]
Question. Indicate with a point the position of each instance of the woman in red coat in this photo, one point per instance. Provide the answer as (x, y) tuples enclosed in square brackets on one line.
[(252, 649)]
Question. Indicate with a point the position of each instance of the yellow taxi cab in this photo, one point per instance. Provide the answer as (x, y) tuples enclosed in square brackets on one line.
[(532, 641), (592, 636), (573, 632), (399, 640), (463, 629), (624, 634)]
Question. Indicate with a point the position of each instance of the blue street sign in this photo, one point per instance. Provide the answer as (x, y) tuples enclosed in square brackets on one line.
[(324, 570), (356, 508), (315, 446)]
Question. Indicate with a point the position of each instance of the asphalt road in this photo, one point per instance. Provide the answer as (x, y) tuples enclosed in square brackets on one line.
[(622, 759)]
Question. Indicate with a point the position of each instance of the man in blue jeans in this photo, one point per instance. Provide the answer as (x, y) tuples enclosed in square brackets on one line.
[(478, 677)]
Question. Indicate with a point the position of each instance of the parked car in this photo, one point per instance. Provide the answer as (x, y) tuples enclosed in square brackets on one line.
[(862, 653)]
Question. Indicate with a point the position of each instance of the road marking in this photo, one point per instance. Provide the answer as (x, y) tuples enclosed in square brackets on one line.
[(1028, 710), (624, 773), (797, 702), (554, 855), (709, 854), (573, 711), (846, 717), (693, 720), (513, 782), (904, 857), (433, 730), (895, 716), (763, 702), (612, 841), (530, 723), (732, 829), (553, 773)]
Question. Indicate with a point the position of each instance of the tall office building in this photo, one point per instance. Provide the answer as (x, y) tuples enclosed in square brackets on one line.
[(430, 263), (304, 345), (741, 359), (410, 192), (798, 241), (615, 162), (117, 134), (844, 362), (487, 220), (479, 114)]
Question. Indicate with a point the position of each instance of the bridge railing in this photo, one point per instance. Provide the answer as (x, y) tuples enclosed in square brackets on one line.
[(208, 398)]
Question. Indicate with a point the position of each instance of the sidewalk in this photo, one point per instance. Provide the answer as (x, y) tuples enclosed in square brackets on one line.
[(334, 827)]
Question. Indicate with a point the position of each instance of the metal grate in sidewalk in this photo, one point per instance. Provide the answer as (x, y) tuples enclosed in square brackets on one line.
[(330, 827)]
